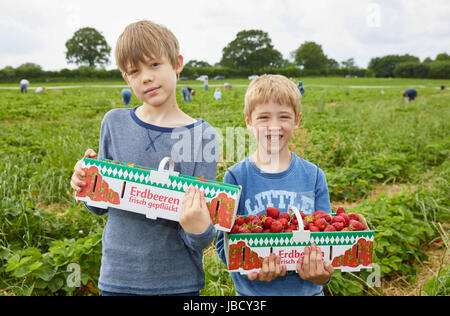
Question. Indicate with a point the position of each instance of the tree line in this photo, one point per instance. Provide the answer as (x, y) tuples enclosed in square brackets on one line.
[(251, 52)]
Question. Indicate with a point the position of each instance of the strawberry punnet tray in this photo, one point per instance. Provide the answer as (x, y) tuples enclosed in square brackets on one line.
[(347, 251), (154, 193)]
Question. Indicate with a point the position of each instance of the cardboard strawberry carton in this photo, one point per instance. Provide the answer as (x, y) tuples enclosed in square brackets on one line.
[(347, 251), (154, 193)]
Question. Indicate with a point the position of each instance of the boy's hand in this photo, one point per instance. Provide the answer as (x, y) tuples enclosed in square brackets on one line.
[(194, 215), (311, 266), (271, 269), (75, 181)]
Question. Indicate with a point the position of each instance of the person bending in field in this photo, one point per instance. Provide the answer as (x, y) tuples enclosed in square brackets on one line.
[(274, 176), (141, 256), (126, 96), (409, 95), (24, 83)]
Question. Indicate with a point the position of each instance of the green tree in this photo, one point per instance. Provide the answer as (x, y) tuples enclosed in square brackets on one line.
[(87, 47), (252, 50), (443, 57), (310, 55), (411, 70), (384, 66), (349, 63), (197, 63)]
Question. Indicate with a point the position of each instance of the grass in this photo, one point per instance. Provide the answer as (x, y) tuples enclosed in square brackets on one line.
[(363, 138)]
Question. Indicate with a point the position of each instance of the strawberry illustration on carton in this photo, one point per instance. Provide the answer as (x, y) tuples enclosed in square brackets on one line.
[(154, 193), (348, 251)]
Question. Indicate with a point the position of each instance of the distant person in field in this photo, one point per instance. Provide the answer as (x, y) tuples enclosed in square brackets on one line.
[(187, 93), (39, 90), (300, 88), (227, 86), (24, 83), (218, 94), (205, 83), (409, 95), (126, 96), (442, 87)]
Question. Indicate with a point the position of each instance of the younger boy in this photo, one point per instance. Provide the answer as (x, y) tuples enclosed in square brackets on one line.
[(275, 177), (142, 256)]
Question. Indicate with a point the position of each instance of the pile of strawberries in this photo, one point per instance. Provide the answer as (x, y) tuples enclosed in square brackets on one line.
[(275, 222), (324, 222)]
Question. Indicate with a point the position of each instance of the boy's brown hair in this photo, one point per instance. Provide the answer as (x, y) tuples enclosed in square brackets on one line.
[(145, 39), (275, 88)]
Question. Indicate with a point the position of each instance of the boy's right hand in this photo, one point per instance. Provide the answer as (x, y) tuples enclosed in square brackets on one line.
[(271, 269), (76, 183)]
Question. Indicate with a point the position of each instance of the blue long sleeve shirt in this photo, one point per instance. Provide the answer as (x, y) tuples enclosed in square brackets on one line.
[(302, 185), (152, 257)]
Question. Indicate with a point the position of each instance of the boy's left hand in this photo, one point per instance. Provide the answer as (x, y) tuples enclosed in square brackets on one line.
[(312, 267), (271, 269), (194, 215)]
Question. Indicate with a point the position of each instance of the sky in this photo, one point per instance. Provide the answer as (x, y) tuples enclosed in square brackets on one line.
[(36, 30)]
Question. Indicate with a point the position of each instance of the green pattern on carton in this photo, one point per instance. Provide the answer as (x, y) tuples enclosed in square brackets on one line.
[(285, 239), (179, 183)]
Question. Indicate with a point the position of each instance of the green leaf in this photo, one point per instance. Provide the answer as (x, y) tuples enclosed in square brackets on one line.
[(55, 284)]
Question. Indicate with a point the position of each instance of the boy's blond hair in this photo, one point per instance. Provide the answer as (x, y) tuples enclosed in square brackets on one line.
[(272, 88), (145, 39)]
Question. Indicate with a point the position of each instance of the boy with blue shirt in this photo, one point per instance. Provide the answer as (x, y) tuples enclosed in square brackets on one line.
[(142, 256), (275, 177)]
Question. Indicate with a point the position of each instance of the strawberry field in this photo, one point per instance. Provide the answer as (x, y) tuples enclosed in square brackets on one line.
[(383, 158)]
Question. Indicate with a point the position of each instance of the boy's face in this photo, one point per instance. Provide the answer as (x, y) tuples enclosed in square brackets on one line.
[(273, 125), (154, 81)]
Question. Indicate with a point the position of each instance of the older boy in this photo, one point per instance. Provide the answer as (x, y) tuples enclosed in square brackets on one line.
[(142, 256), (275, 177)]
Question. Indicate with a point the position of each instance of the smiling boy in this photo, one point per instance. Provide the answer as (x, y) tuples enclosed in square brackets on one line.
[(274, 176)]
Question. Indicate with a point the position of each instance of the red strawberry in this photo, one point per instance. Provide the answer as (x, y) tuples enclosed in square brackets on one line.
[(329, 228), (266, 230), (261, 216), (256, 221), (293, 227), (338, 225), (345, 216), (314, 229), (257, 230), (276, 227), (286, 216), (338, 219), (268, 221), (273, 212), (235, 229), (303, 215), (240, 220), (250, 219), (355, 225), (321, 223), (340, 210), (244, 230), (288, 230), (322, 214), (354, 217), (345, 229), (284, 221)]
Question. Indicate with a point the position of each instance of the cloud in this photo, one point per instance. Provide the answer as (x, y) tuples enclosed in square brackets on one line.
[(37, 30)]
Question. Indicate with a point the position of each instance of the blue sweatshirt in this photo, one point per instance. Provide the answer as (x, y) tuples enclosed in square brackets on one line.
[(151, 257), (302, 185)]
